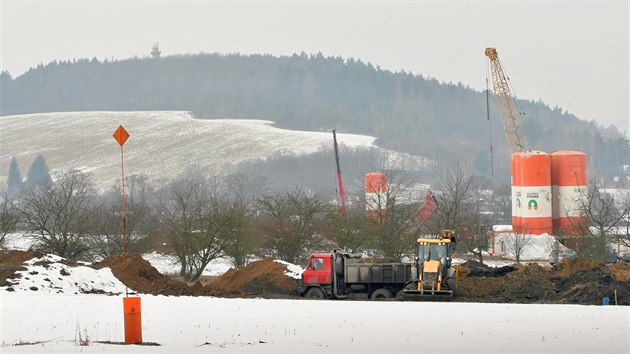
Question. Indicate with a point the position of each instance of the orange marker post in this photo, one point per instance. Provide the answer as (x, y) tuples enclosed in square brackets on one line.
[(133, 320), (131, 305)]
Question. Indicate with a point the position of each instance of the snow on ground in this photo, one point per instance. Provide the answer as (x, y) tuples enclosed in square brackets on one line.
[(48, 275), (201, 325), (293, 271), (167, 264), (535, 248), (162, 144), (46, 321), (18, 241)]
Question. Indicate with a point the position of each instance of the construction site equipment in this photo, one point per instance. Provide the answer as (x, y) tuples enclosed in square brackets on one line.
[(434, 274), (339, 275), (505, 101), (342, 196)]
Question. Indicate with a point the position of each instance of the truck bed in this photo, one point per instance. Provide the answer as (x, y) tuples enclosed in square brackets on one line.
[(385, 273)]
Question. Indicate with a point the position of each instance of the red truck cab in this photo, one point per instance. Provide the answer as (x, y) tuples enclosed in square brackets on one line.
[(318, 269)]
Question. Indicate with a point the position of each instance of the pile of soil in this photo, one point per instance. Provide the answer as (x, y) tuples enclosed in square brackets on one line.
[(11, 262), (576, 281), (261, 278), (143, 278)]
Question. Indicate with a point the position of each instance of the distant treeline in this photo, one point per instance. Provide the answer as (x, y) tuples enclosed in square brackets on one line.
[(410, 113)]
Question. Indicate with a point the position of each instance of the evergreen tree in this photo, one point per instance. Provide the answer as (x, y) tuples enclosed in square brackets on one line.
[(38, 173), (14, 182)]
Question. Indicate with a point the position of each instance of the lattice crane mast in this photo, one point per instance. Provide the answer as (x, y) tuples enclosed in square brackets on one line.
[(505, 101)]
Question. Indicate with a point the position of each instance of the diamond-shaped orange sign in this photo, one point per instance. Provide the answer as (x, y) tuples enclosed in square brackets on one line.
[(121, 135)]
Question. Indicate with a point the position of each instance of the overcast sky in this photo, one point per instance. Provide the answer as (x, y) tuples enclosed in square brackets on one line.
[(570, 54)]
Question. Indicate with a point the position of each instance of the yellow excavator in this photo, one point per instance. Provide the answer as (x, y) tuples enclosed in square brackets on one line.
[(433, 275)]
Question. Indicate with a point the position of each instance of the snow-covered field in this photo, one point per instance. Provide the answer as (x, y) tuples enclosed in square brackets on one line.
[(162, 144), (57, 317), (54, 323)]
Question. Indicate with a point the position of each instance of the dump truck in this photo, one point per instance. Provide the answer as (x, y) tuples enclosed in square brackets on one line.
[(434, 274), (340, 275)]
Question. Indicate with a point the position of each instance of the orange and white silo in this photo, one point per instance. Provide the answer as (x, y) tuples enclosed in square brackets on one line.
[(569, 185), (375, 195), (536, 193), (516, 192)]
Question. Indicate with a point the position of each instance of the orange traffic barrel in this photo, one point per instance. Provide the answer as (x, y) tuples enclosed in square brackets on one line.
[(569, 185), (535, 183), (375, 194), (133, 320), (516, 192)]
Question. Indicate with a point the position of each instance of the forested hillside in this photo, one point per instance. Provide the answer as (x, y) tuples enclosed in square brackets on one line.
[(442, 121)]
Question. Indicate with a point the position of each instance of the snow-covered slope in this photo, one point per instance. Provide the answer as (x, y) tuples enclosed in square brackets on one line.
[(162, 144)]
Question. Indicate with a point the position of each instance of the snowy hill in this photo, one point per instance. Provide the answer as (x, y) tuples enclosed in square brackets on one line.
[(162, 144)]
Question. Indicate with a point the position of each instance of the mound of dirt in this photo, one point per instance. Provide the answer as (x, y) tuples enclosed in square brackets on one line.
[(529, 284), (476, 269), (588, 286), (264, 278), (11, 262), (569, 267), (576, 281), (621, 271), (143, 278)]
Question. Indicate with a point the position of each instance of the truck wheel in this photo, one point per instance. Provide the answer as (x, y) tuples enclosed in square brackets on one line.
[(382, 294), (314, 293)]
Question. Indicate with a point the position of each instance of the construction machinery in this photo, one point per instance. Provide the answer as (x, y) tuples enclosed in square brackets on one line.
[(339, 179), (505, 102), (434, 275), (340, 275)]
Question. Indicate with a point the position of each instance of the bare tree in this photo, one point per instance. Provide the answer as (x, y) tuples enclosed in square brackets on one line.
[(391, 232), (203, 222), (347, 230), (242, 242), (291, 223), (183, 207), (459, 208), (61, 214), (605, 220), (516, 244), (602, 212), (219, 221), (455, 199), (9, 217), (139, 196)]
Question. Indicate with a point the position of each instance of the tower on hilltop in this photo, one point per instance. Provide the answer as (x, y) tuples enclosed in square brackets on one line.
[(155, 53)]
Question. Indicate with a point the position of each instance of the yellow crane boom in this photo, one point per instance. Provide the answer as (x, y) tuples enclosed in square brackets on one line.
[(505, 101)]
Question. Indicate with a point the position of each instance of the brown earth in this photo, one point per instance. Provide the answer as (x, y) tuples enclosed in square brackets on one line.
[(143, 278), (575, 281), (261, 278), (11, 262)]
